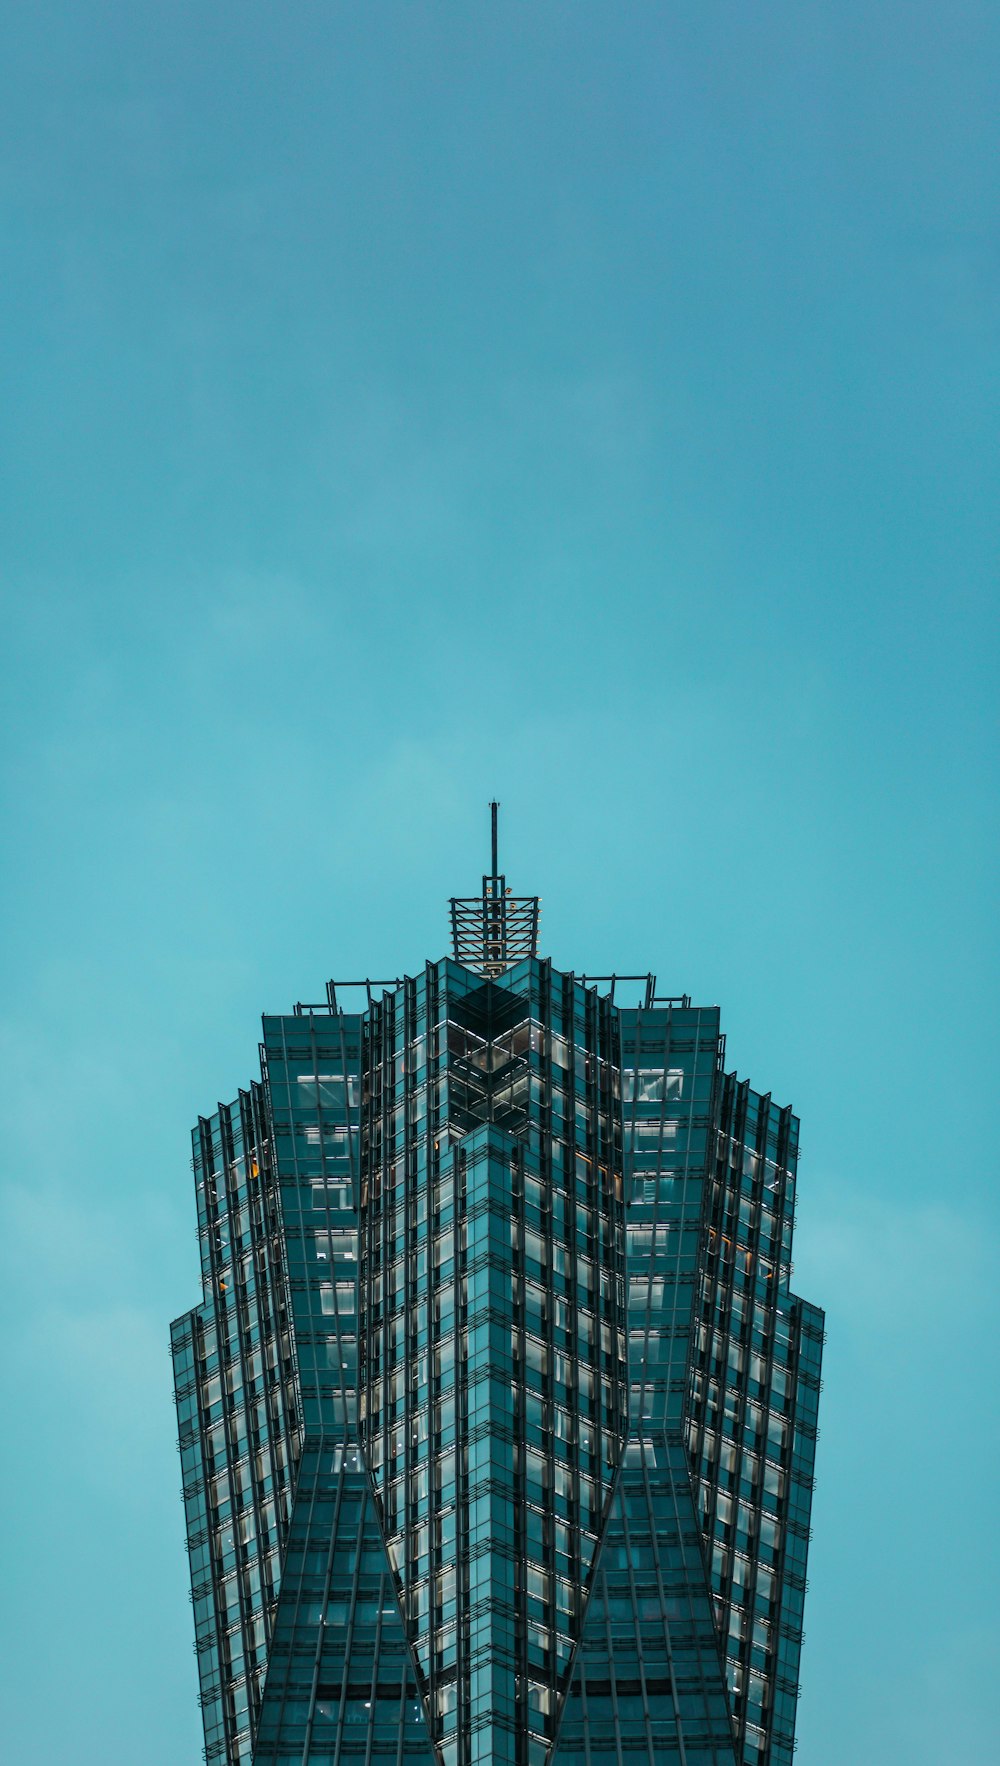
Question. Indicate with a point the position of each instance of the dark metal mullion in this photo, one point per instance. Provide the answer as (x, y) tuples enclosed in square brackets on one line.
[(616, 1151), (463, 1591), (377, 1037), (696, 1414), (763, 1129), (612, 1685), (242, 1364), (635, 1425), (337, 1331), (585, 1595), (741, 1115), (433, 1167), (372, 1035), (738, 1138), (229, 1160), (710, 1284), (376, 1657), (750, 1588), (327, 1583), (387, 1583), (640, 1653), (351, 1616), (708, 1169), (547, 1327), (317, 1445), (721, 1322), (778, 1569), (675, 1284), (372, 1061), (263, 1301), (222, 1336), (282, 1285), (387, 1064), (584, 1701), (300, 1214), (720, 1294), (226, 1136), (596, 1209), (569, 992), (431, 1348), (401, 1194), (609, 1215), (662, 1593), (700, 1542), (353, 1163), (402, 1198), (753, 1246), (208, 1165)]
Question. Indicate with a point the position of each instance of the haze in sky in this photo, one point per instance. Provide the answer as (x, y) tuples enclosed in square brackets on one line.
[(591, 406)]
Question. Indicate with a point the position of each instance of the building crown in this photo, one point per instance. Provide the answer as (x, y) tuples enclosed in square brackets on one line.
[(492, 931)]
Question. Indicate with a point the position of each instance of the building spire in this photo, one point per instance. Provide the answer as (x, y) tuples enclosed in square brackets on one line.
[(492, 931)]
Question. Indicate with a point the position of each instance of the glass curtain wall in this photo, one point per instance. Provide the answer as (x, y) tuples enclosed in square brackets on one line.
[(239, 1414), (498, 1414), (752, 1409), (493, 1386)]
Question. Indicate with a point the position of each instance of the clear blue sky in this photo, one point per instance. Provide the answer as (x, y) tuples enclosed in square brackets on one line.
[(591, 405)]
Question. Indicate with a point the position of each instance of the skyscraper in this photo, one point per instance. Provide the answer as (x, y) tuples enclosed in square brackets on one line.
[(498, 1414)]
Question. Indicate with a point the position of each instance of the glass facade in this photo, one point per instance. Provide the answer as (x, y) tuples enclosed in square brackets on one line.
[(498, 1414), (239, 1417), (493, 1388)]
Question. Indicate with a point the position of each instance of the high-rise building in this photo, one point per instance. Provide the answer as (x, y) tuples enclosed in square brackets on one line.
[(498, 1414)]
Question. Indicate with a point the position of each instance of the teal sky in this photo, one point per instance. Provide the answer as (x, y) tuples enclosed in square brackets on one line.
[(588, 405)]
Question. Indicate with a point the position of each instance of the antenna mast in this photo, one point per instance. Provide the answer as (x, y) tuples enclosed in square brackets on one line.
[(492, 931)]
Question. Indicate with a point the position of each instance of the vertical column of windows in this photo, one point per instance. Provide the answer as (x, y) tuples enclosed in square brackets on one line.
[(569, 1388), (241, 1581), (739, 1429), (313, 1089), (225, 1145), (668, 1102), (252, 1426), (798, 1448), (190, 1369)]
